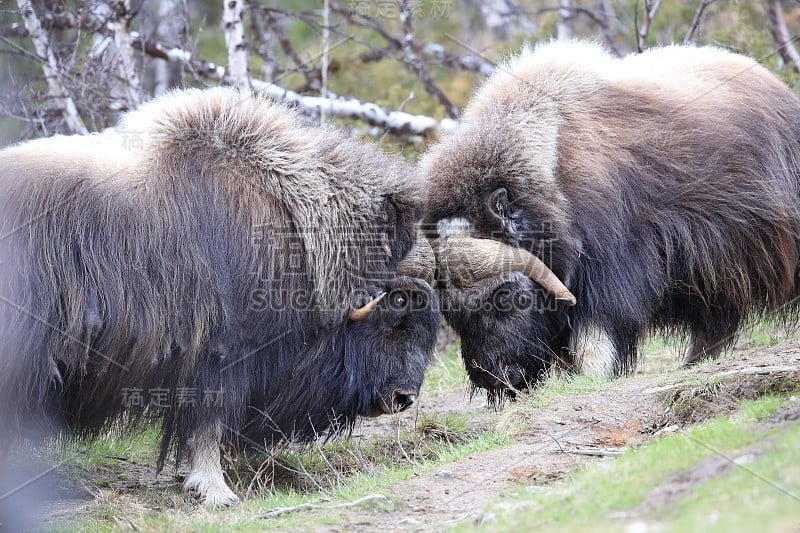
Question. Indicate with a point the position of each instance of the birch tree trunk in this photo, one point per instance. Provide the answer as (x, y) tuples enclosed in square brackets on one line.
[(126, 64), (564, 25), (170, 27), (234, 39), (56, 89)]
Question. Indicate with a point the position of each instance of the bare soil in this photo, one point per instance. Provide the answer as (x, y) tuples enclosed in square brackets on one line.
[(557, 438), (572, 431)]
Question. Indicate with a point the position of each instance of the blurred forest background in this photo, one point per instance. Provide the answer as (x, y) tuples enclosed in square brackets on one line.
[(394, 70)]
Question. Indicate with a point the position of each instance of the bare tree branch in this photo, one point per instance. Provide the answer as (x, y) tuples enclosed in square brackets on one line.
[(313, 78), (50, 66), (698, 15), (232, 12), (471, 63), (326, 37), (777, 24), (650, 10), (47, 20), (602, 17), (419, 68), (263, 38)]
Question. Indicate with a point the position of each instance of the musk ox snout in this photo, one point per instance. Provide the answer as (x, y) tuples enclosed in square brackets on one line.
[(396, 340), (505, 323), (398, 401)]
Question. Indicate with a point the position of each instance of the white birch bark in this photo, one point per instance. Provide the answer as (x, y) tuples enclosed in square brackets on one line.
[(563, 25), (125, 62), (312, 106), (50, 67), (232, 12)]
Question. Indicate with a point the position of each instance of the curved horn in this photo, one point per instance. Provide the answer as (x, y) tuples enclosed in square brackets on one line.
[(419, 262), (468, 260), (363, 312)]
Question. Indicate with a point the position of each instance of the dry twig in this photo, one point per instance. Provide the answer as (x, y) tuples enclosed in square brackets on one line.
[(274, 513)]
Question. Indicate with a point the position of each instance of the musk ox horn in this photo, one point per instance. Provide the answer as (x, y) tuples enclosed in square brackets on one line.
[(363, 312), (420, 262), (468, 260)]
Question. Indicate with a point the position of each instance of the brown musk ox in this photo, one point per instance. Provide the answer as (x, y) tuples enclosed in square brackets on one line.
[(218, 265), (601, 199)]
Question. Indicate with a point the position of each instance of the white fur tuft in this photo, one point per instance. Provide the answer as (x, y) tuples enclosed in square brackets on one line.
[(595, 354), (206, 479)]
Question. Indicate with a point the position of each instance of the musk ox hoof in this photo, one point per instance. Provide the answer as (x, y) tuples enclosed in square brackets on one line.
[(211, 492)]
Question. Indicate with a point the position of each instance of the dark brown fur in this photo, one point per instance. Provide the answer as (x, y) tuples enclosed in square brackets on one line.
[(211, 242), (662, 189)]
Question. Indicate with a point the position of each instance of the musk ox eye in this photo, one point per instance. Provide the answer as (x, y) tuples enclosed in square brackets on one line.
[(508, 298), (503, 299), (398, 300)]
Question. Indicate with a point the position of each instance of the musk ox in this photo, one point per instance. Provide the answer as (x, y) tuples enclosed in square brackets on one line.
[(585, 201), (218, 265)]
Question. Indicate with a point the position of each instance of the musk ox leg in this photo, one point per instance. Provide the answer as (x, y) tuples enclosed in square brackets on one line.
[(707, 347), (712, 333), (206, 479), (595, 352)]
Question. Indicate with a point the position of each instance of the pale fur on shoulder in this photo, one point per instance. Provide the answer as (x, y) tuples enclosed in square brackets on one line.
[(331, 186)]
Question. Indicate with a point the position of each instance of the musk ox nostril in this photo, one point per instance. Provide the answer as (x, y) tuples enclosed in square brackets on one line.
[(403, 400)]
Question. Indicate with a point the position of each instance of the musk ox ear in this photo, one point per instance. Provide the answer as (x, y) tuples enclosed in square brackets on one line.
[(497, 204), (400, 219), (497, 208)]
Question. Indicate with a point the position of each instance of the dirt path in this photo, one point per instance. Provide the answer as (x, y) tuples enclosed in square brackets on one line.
[(558, 438), (573, 430)]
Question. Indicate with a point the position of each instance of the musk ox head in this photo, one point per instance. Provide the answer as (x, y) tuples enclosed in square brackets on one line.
[(506, 223), (393, 335), (506, 305), (504, 324)]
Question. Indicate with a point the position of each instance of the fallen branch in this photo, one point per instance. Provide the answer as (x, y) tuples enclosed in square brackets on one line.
[(274, 513), (597, 452), (749, 371), (397, 122)]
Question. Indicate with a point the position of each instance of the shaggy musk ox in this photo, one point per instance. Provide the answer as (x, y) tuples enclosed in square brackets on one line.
[(218, 265), (660, 192)]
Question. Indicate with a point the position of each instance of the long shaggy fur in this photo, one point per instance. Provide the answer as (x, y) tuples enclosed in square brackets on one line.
[(210, 243), (662, 188)]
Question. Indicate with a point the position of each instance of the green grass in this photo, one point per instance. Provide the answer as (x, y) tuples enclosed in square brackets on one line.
[(446, 372), (332, 472), (610, 495), (137, 448), (553, 388)]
